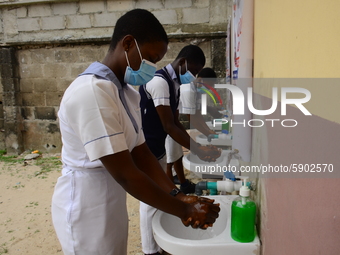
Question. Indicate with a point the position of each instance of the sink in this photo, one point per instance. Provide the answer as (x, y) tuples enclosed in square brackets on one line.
[(173, 237), (204, 169), (216, 127)]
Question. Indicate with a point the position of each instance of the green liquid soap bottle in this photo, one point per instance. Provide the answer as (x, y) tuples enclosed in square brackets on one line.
[(225, 123), (243, 213)]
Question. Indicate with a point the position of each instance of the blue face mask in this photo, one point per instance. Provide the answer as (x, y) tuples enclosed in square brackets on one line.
[(143, 75), (187, 77)]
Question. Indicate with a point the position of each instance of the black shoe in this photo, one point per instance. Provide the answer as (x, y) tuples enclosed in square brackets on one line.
[(157, 253), (188, 187), (176, 180)]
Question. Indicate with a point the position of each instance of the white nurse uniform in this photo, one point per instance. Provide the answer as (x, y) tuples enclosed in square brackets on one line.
[(88, 206)]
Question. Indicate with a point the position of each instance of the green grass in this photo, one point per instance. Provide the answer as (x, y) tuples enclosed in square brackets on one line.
[(32, 204), (9, 159), (46, 164)]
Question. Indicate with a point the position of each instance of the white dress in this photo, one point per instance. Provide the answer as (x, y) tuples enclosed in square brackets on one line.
[(88, 206)]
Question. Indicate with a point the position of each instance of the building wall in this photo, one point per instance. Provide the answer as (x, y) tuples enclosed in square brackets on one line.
[(53, 41), (296, 44), (67, 21), (45, 74)]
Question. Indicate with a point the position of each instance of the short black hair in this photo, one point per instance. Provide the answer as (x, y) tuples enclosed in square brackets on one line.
[(207, 72), (141, 24), (193, 54)]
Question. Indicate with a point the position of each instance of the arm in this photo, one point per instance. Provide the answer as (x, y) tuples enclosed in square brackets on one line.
[(142, 153), (123, 169), (158, 89), (123, 166), (175, 129), (197, 121), (189, 107), (214, 112), (178, 123), (152, 169)]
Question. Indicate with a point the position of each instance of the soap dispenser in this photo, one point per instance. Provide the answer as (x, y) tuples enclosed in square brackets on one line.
[(225, 124), (243, 213)]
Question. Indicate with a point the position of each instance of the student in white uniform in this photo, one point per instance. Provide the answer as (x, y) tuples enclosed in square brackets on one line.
[(159, 108), (190, 105), (104, 153)]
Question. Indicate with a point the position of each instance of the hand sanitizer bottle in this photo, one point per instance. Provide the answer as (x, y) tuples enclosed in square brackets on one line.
[(243, 213), (225, 124)]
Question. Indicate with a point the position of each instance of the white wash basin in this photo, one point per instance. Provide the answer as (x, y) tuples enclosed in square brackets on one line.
[(176, 239), (217, 126)]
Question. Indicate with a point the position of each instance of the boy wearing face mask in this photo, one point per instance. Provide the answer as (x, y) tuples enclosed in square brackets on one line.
[(159, 108), (104, 152)]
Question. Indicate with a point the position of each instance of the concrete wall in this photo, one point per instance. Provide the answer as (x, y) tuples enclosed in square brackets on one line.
[(53, 41), (296, 44), (79, 20)]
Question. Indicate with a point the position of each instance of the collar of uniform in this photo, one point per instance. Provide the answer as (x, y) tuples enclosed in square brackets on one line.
[(171, 72), (103, 72), (173, 76)]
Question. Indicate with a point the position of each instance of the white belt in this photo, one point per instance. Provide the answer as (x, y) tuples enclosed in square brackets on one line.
[(68, 169)]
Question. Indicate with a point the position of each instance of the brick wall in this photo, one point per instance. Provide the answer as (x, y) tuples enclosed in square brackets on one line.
[(54, 41), (45, 74), (79, 20)]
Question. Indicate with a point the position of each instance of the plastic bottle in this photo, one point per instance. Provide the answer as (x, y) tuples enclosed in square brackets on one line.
[(225, 123), (243, 213)]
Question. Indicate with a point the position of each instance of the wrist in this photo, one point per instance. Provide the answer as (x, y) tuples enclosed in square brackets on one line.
[(195, 147), (175, 192), (181, 196)]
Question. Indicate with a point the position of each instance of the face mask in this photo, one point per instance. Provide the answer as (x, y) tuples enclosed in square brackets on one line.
[(187, 77), (143, 75)]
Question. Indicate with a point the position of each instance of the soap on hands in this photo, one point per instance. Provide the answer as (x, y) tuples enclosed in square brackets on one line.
[(202, 200), (204, 213), (211, 153)]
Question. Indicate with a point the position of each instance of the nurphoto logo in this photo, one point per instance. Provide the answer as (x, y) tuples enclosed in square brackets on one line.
[(238, 106)]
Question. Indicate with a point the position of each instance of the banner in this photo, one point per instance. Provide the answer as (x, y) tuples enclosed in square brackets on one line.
[(237, 31)]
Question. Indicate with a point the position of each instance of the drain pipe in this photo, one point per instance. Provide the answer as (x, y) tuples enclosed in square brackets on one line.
[(211, 136), (227, 186), (200, 186), (213, 187), (204, 185)]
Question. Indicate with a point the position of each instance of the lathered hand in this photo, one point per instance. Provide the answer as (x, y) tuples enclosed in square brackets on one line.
[(191, 199), (201, 214), (209, 153)]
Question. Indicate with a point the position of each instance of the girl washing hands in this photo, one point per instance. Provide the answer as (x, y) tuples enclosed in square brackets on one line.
[(104, 152)]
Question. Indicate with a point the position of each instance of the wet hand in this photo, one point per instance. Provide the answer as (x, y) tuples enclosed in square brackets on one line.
[(191, 199), (209, 153), (202, 214), (188, 199)]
